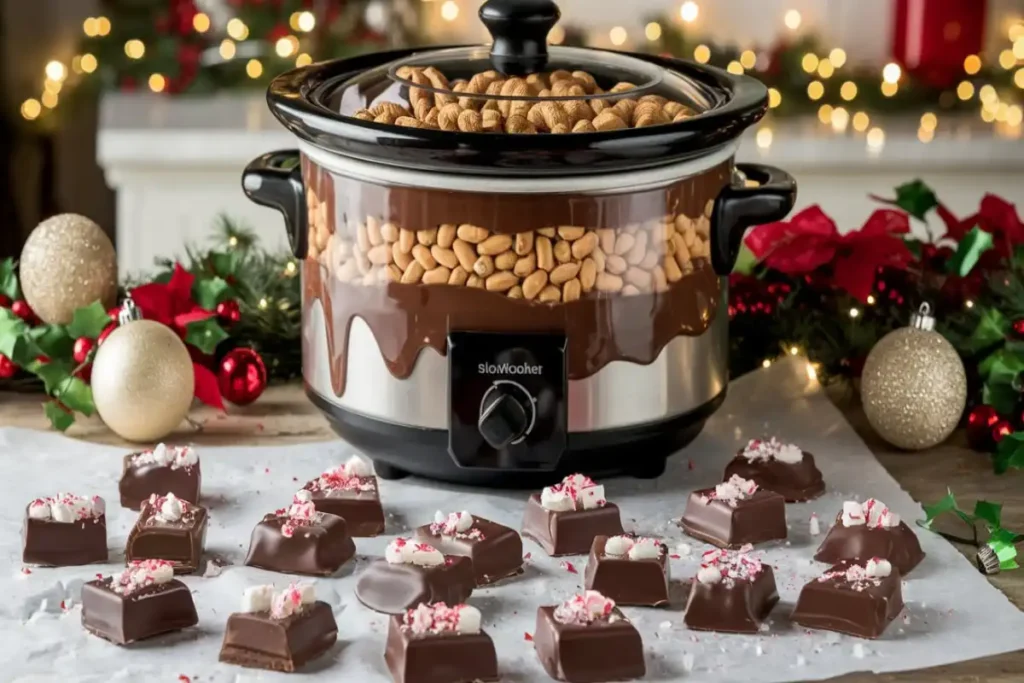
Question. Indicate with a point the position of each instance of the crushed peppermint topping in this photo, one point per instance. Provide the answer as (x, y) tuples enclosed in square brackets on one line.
[(456, 525), (586, 608), (731, 492), (439, 619), (860, 577), (302, 512), (728, 566), (281, 604), (175, 457), (66, 508), (872, 513), (814, 525), (773, 449), (576, 492), (406, 551), (141, 574), (634, 548), (354, 475), (169, 509)]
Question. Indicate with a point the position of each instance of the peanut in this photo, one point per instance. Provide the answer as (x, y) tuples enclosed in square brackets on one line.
[(501, 282), (446, 236), (564, 273), (427, 237), (432, 117), (547, 116), (584, 126), (615, 264), (400, 258), (380, 255), (492, 121), (511, 88), (599, 106), (571, 233), (650, 260), (623, 86), (347, 273), (470, 121), (409, 122), (561, 75), (394, 273), (422, 255), (413, 274), (681, 116), (561, 129), (472, 233), (703, 227), (525, 265), (515, 293), (364, 115), (362, 238), (484, 266), (506, 260), (519, 124), (363, 264), (494, 245), (671, 109), (606, 282), (624, 244), (534, 283), (607, 237), (578, 110), (448, 117), (571, 290), (475, 281), (600, 260), (546, 232), (586, 80), (446, 257), (389, 231), (550, 295), (458, 276), (537, 82), (466, 254), (588, 274), (563, 251), (660, 280), (641, 279), (672, 271), (630, 290), (609, 120), (683, 223), (545, 255), (625, 109), (524, 243), (437, 276), (709, 208), (406, 241), (583, 247), (635, 255), (386, 118), (438, 80)]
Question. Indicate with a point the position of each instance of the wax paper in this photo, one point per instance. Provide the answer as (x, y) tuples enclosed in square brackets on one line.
[(952, 612)]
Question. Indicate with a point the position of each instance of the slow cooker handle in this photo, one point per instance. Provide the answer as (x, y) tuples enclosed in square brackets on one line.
[(739, 207), (274, 180), (520, 31)]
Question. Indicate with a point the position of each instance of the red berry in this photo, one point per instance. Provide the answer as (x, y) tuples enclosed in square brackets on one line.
[(82, 348), (1000, 430), (114, 314), (1018, 328), (5, 301), (21, 309), (7, 367), (228, 311)]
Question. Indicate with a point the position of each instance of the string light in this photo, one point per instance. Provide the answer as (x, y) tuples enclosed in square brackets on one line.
[(825, 68), (1015, 115), (157, 83), (972, 64), (825, 113), (871, 299), (286, 46), (90, 27), (969, 303), (988, 94), (702, 54), (861, 121), (52, 86), (103, 26), (31, 109), (849, 91), (840, 119), (1016, 31), (734, 68), (1002, 112), (450, 10), (810, 62), (774, 98), (201, 22), (303, 60), (766, 363), (306, 21), (49, 99), (890, 89), (290, 268), (227, 49), (1018, 78), (557, 35), (838, 57), (89, 63), (263, 302), (812, 372), (254, 68), (892, 73), (929, 121), (765, 137), (689, 11), (925, 135), (1007, 60), (748, 59), (618, 35), (237, 29), (793, 20), (965, 90), (652, 31), (56, 71), (794, 350), (988, 115), (135, 48), (876, 139), (233, 242), (854, 312), (1018, 48), (816, 90), (76, 64)]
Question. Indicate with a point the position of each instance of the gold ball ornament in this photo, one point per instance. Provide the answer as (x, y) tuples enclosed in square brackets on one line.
[(68, 262), (142, 381), (914, 387)]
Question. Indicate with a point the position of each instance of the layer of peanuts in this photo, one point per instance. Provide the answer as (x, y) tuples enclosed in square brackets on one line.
[(550, 265), (463, 106)]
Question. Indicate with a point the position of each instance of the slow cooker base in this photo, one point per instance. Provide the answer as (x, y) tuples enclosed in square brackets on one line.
[(398, 451)]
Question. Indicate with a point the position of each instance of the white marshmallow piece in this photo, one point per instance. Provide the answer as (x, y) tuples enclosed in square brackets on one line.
[(357, 467), (307, 591), (878, 568), (302, 496), (556, 500), (889, 519), (162, 573), (62, 512), (592, 497), (422, 555), (257, 598), (853, 514), (469, 619), (187, 457), (171, 509), (39, 509), (395, 552), (788, 453), (618, 546), (645, 549), (464, 522), (709, 575), (814, 525), (162, 455)]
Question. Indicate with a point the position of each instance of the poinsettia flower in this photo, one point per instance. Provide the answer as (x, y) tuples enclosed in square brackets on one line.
[(995, 216), (812, 240)]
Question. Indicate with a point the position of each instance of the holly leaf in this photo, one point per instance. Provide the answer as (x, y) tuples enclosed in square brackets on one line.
[(1004, 544), (969, 251), (54, 373), (60, 418), (210, 291), (205, 334), (9, 280), (224, 264), (916, 198), (945, 505), (76, 395), (992, 328), (1001, 396), (89, 321), (52, 341), (1009, 453), (990, 513)]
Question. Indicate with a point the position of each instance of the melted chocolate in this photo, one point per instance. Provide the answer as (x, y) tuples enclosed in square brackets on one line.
[(735, 606), (899, 545), (757, 519), (147, 612), (797, 482), (862, 609), (395, 588), (258, 641)]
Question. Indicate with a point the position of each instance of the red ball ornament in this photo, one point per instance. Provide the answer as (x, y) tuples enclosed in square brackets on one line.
[(7, 367), (242, 376), (1018, 328), (82, 348), (980, 421), (105, 333), (228, 311), (1000, 430), (21, 309)]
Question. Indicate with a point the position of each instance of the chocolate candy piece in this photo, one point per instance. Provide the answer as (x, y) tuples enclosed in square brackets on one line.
[(414, 573), (169, 529), (143, 601), (732, 593), (65, 530), (630, 571), (350, 491), (496, 550), (780, 467), (866, 530), (440, 644), (279, 632), (735, 513), (300, 540), (165, 469), (564, 519), (860, 599), (588, 640)]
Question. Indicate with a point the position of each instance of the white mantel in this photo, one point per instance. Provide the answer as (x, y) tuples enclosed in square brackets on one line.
[(176, 164)]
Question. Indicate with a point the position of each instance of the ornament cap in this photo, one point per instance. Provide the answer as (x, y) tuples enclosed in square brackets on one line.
[(987, 560), (923, 319), (129, 312)]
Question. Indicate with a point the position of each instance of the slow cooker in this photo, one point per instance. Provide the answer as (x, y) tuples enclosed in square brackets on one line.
[(514, 257)]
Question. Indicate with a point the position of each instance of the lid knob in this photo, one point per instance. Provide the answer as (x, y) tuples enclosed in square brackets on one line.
[(520, 31)]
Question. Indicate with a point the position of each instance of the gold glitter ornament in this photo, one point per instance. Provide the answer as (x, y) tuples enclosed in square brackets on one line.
[(68, 262), (914, 387), (142, 379)]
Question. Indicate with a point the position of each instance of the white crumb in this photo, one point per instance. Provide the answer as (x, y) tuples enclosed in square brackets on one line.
[(688, 662), (859, 652)]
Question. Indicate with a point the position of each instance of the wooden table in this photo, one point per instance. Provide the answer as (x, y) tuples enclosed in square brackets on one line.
[(283, 415)]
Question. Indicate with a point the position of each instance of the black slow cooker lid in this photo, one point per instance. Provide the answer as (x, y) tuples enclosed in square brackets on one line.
[(320, 103)]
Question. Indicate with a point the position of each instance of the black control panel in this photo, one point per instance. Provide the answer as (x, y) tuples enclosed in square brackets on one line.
[(507, 400)]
